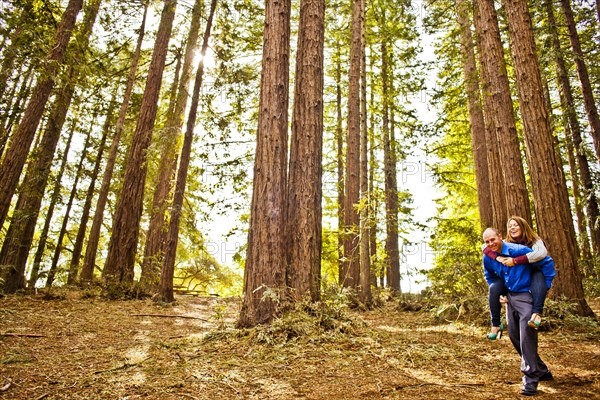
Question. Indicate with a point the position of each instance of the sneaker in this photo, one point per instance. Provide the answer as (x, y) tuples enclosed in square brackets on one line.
[(529, 389), (547, 377)]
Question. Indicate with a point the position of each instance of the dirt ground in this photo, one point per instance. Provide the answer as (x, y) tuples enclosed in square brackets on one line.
[(77, 348)]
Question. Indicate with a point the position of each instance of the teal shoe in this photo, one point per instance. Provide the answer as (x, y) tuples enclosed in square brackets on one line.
[(497, 335), (535, 321)]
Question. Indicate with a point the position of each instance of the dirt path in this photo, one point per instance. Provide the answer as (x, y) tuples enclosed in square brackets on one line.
[(95, 349)]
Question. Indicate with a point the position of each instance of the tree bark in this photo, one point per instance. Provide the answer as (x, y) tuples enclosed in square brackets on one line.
[(157, 229), (568, 106), (352, 184), (477, 124), (265, 270), (373, 197), (506, 172), (63, 229), (582, 72), (16, 154), (168, 270), (550, 196), (89, 260), (365, 257), (392, 237), (342, 265), (304, 230), (584, 244), (122, 247)]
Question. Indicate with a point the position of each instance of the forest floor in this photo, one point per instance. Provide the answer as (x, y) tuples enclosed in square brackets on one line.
[(89, 348)]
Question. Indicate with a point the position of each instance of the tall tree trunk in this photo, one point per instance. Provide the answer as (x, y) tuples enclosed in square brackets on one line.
[(13, 114), (568, 106), (304, 229), (373, 198), (365, 257), (56, 193), (392, 234), (264, 274), (36, 179), (16, 154), (392, 259), (342, 265), (8, 56), (584, 244), (157, 229), (63, 229), (477, 124), (498, 109), (85, 214), (166, 279), (589, 102), (352, 185), (89, 260), (155, 236), (122, 247), (550, 196)]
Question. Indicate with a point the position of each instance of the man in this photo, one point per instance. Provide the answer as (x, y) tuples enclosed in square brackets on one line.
[(517, 280)]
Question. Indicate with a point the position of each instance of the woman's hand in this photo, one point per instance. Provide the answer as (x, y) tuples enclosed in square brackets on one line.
[(501, 259), (508, 261)]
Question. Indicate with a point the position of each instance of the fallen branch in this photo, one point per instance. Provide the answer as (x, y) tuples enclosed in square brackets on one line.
[(126, 365), (169, 316), (22, 334), (43, 396), (464, 385), (6, 386)]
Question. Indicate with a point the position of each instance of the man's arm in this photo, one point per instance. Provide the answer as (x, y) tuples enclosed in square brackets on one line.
[(488, 271)]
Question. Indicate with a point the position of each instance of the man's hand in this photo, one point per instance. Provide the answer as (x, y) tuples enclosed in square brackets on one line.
[(503, 300)]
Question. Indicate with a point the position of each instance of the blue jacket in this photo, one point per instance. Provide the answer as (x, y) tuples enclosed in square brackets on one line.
[(516, 278)]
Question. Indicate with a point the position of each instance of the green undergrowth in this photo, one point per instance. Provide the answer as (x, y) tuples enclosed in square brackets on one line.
[(559, 314), (303, 322)]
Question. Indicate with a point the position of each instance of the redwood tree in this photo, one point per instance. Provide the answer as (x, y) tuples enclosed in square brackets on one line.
[(305, 168), (352, 176), (506, 172), (550, 196), (16, 154), (126, 222), (89, 260), (166, 278), (157, 229), (589, 102), (264, 274), (477, 124)]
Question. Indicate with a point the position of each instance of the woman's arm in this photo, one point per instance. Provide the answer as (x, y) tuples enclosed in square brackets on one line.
[(538, 253)]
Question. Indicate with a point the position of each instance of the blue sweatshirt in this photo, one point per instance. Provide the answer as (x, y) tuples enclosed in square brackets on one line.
[(516, 278)]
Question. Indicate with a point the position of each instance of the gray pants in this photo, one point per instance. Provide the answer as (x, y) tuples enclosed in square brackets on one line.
[(523, 337)]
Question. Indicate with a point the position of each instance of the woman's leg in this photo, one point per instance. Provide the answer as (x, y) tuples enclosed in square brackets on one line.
[(497, 288), (538, 290)]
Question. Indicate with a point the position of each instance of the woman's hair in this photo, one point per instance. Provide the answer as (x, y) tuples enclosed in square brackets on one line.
[(528, 238)]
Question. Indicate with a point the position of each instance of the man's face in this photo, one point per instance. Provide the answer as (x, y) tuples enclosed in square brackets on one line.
[(493, 241)]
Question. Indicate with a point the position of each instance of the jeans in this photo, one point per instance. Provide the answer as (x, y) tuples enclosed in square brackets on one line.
[(538, 290), (497, 289)]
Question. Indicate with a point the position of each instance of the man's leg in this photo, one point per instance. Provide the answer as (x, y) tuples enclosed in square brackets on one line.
[(532, 365)]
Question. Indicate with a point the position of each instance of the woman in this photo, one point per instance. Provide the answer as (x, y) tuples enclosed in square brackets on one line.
[(520, 232)]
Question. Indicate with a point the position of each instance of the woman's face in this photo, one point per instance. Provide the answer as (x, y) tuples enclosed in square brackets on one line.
[(514, 230)]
